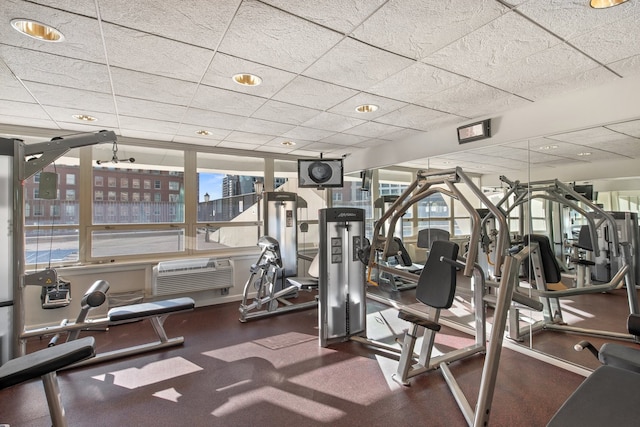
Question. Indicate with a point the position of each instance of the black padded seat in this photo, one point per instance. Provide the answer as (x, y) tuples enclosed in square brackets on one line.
[(148, 309), (427, 236), (608, 397), (620, 356), (437, 283), (42, 362), (550, 266), (584, 243)]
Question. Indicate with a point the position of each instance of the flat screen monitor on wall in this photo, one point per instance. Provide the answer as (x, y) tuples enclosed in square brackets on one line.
[(320, 173), (366, 175)]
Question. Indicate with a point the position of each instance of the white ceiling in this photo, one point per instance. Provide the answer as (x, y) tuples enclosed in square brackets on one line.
[(161, 70)]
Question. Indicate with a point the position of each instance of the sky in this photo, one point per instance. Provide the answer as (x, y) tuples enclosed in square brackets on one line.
[(210, 183)]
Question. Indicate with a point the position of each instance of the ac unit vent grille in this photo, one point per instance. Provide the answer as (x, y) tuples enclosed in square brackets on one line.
[(191, 275)]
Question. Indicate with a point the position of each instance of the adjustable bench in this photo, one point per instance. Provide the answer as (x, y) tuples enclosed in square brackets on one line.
[(44, 363), (608, 397), (156, 312)]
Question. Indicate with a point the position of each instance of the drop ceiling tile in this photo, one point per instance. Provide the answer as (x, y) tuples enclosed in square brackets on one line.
[(629, 147), (594, 155), (322, 147), (631, 128), (592, 136), (310, 134), (507, 39), (385, 106), (65, 115), (81, 34), (80, 100), (197, 140), (135, 84), (285, 113), (238, 145), (223, 67), (149, 109), (144, 134), (534, 70), (135, 50), (142, 124), (617, 41), (28, 122), (194, 22), (277, 143), (344, 139), (189, 131), (570, 18), (417, 81), (12, 89), (274, 149), (627, 67), (334, 122), (210, 119), (571, 83), (57, 70), (248, 138), (417, 28), (313, 93), (356, 65), (286, 42), (338, 15), (402, 134), (226, 101), (265, 126), (23, 109), (416, 117), (373, 130), (472, 99)]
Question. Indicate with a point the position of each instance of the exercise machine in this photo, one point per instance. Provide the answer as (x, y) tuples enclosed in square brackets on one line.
[(154, 311), (272, 289), (342, 292), (44, 364)]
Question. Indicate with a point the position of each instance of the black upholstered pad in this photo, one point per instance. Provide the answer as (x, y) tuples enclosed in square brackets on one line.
[(608, 397), (427, 236), (620, 356), (550, 266), (147, 309), (50, 359), (437, 283)]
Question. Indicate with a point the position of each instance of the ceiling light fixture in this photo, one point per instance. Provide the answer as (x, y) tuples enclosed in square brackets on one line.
[(84, 118), (288, 143), (366, 108), (37, 30), (584, 153), (203, 132), (247, 79), (603, 4), (548, 147)]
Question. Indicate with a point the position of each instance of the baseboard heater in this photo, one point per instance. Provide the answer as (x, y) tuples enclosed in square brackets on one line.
[(191, 275)]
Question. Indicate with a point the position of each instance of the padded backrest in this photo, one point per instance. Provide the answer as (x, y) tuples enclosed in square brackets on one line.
[(584, 239), (402, 255), (437, 283), (550, 266), (427, 236)]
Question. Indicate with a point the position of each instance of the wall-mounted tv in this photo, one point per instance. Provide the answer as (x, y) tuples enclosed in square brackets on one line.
[(366, 176), (320, 173)]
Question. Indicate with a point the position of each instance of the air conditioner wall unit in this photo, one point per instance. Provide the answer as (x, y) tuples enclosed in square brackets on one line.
[(191, 275)]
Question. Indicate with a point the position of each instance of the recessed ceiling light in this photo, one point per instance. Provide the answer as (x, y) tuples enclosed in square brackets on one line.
[(548, 147), (366, 108), (247, 79), (584, 153), (84, 118), (203, 132), (288, 143), (37, 30), (603, 4)]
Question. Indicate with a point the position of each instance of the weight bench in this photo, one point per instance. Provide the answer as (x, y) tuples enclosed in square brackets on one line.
[(608, 397), (44, 364), (156, 312)]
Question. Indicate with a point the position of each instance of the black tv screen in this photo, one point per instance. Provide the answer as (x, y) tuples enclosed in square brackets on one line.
[(366, 175), (585, 190), (320, 173)]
